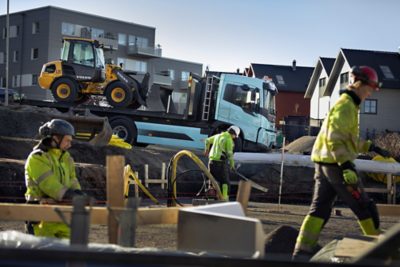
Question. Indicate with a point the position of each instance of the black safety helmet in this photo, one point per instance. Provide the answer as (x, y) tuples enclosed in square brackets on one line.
[(56, 127)]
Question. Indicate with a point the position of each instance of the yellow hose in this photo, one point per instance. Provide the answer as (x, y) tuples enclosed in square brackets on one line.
[(128, 175), (201, 166)]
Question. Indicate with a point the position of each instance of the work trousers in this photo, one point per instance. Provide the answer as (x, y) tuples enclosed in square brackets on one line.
[(329, 184), (220, 171)]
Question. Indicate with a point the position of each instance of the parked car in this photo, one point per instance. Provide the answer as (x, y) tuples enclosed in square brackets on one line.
[(12, 95)]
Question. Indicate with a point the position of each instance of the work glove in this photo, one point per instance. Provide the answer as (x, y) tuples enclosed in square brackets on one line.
[(383, 152), (350, 175), (71, 193)]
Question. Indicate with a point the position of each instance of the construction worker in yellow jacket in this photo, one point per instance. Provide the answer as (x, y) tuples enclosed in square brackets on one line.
[(50, 175), (336, 147), (221, 151)]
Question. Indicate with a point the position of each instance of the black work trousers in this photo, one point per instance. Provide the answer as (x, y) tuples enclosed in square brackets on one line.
[(220, 171), (329, 184)]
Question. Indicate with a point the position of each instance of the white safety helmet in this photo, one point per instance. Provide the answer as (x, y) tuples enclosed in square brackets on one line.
[(234, 130)]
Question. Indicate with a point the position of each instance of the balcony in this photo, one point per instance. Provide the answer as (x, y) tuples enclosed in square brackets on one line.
[(162, 79), (109, 43), (147, 52)]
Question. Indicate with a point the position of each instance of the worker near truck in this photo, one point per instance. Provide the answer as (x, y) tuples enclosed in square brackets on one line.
[(219, 154), (50, 175), (334, 151)]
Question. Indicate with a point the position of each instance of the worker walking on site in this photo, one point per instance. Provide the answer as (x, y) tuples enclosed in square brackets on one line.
[(50, 175), (222, 146), (334, 151)]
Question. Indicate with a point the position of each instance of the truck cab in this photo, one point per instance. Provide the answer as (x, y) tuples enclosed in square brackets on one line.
[(248, 103)]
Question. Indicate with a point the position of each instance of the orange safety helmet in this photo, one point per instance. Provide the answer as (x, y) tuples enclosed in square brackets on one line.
[(366, 75)]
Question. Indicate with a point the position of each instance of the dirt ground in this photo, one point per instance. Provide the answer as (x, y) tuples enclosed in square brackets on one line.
[(18, 130)]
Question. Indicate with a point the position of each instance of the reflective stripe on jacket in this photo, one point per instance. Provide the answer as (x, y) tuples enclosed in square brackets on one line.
[(222, 144), (338, 140), (49, 175)]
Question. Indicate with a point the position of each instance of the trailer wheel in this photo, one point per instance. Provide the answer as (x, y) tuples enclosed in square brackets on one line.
[(119, 95), (64, 90), (124, 129)]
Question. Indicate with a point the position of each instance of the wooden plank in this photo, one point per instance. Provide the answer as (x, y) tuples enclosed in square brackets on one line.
[(115, 193), (388, 210), (243, 194), (98, 215)]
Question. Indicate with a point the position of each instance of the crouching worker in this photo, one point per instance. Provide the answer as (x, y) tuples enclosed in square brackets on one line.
[(221, 151), (50, 175)]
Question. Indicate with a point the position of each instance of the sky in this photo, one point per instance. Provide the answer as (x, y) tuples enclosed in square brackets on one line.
[(225, 35)]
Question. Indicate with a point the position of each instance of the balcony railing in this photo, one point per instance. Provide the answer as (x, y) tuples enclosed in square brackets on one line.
[(134, 50)]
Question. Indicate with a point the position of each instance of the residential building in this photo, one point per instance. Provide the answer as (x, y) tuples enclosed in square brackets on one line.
[(291, 106), (36, 38), (377, 113), (319, 104)]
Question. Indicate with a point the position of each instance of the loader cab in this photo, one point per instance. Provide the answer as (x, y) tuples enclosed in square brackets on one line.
[(83, 59)]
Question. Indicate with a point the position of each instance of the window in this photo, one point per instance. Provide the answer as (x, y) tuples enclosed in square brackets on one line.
[(34, 79), (185, 75), (138, 41), (35, 27), (370, 106), (387, 72), (83, 54), (121, 38), (75, 30), (322, 82), (344, 78), (1, 57), (35, 53), (15, 81), (97, 33), (4, 33), (171, 74), (15, 56), (239, 95), (14, 31), (280, 80)]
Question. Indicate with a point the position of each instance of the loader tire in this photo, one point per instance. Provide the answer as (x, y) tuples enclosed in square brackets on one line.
[(65, 90), (119, 95), (124, 129)]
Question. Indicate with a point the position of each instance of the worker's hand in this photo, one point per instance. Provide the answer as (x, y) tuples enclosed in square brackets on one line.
[(350, 175), (383, 152), (71, 193), (206, 153)]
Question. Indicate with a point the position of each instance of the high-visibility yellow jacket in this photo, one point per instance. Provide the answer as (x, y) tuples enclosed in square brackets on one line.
[(222, 146), (49, 174), (338, 140)]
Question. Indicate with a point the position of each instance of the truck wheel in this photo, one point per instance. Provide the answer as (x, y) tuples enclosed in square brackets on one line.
[(64, 90), (119, 95), (124, 129)]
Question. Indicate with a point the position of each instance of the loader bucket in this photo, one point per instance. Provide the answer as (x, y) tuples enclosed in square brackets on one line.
[(95, 130), (157, 99)]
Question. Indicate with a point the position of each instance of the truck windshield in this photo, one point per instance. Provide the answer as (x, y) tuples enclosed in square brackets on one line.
[(269, 102)]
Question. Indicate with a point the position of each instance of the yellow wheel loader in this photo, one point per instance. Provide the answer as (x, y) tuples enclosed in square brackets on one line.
[(81, 72)]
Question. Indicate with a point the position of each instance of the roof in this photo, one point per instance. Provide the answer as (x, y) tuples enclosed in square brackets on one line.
[(386, 65), (286, 78), (323, 63)]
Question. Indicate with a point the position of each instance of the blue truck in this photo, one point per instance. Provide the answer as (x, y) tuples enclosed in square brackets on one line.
[(212, 104)]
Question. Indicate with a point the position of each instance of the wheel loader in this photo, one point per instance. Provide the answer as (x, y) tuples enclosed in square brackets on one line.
[(81, 72)]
